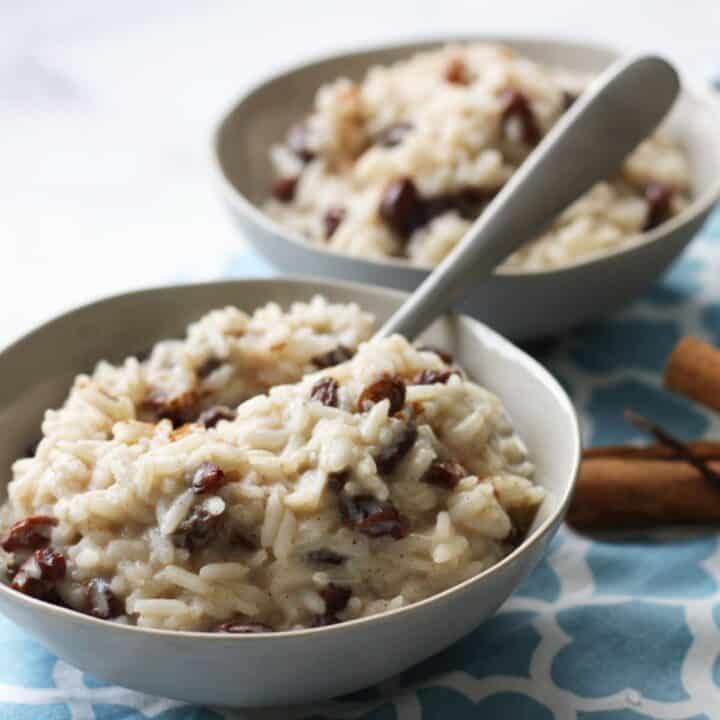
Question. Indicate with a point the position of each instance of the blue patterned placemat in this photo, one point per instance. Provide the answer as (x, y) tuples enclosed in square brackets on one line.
[(603, 630)]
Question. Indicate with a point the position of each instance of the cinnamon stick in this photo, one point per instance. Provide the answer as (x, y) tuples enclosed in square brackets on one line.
[(693, 370), (705, 450), (618, 493), (680, 448)]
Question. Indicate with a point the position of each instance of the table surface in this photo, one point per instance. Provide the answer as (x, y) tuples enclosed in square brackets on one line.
[(106, 112)]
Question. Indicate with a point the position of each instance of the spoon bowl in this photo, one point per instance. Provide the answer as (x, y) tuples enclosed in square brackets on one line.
[(301, 665)]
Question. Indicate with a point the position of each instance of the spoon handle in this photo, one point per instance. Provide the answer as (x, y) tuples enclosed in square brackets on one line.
[(588, 144)]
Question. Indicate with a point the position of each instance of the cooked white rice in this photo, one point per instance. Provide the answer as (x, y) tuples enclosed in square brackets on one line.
[(456, 120), (308, 507)]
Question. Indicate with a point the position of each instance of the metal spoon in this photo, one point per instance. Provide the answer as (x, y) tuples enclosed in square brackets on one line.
[(588, 144)]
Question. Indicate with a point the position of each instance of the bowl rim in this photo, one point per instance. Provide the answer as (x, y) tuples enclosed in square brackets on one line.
[(691, 86), (496, 341)]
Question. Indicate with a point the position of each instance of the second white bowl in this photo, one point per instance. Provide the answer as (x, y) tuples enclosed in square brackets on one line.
[(521, 305)]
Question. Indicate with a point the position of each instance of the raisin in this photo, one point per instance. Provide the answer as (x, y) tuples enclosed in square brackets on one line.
[(334, 357), (297, 142), (431, 377), (201, 526), (466, 202), (336, 598), (239, 628), (445, 356), (208, 478), (52, 564), (326, 557), (29, 534), (178, 410), (325, 620), (208, 367), (284, 189), (372, 517), (456, 72), (444, 474), (336, 480), (325, 391), (240, 539), (332, 219), (386, 387), (212, 416), (517, 107), (394, 134), (39, 574), (401, 207), (102, 601), (388, 458), (658, 198)]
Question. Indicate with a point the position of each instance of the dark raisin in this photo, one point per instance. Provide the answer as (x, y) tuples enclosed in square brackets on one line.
[(239, 628), (372, 517), (102, 601), (386, 387), (325, 620), (208, 367), (201, 526), (29, 534), (658, 198), (178, 410), (284, 189), (388, 458), (243, 540), (402, 207), (337, 480), (516, 108), (431, 377), (457, 72), (208, 478), (444, 474), (52, 564), (568, 99), (297, 142), (334, 357), (212, 416), (332, 219), (394, 134), (39, 574), (445, 356), (325, 556), (336, 598), (325, 391), (468, 202)]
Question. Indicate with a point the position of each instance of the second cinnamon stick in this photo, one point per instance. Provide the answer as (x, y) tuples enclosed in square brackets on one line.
[(693, 370), (617, 493)]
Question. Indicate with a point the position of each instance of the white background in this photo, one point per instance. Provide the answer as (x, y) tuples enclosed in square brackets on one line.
[(106, 111)]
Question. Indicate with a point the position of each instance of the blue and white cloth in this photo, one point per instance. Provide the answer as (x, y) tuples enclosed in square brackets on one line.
[(622, 629)]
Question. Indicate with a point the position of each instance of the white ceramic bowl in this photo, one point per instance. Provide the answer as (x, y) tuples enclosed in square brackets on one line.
[(283, 667), (521, 305)]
